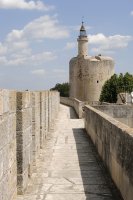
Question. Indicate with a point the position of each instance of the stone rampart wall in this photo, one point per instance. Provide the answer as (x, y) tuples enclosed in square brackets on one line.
[(75, 103), (25, 121), (8, 172), (114, 142), (123, 113)]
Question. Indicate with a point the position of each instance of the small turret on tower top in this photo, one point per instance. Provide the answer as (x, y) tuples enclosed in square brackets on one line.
[(83, 41), (82, 31)]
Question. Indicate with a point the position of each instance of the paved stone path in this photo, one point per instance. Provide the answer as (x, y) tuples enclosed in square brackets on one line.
[(69, 168)]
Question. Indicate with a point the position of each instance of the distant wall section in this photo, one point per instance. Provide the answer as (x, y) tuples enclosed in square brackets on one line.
[(75, 103), (122, 113)]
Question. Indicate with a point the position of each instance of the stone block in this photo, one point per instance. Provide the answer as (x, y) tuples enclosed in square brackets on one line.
[(12, 101), (24, 119), (4, 101), (1, 164), (22, 182), (24, 138), (23, 100), (12, 180), (35, 125), (4, 131)]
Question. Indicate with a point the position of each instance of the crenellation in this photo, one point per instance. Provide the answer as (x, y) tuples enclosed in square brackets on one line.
[(24, 126), (24, 139), (49, 111), (35, 125), (46, 113), (42, 118)]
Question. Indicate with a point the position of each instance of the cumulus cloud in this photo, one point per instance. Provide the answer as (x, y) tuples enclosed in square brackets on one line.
[(24, 4), (17, 48), (28, 59), (104, 43), (43, 57), (3, 49), (40, 28), (38, 72)]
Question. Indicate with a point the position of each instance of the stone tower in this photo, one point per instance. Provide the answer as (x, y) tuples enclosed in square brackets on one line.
[(87, 74)]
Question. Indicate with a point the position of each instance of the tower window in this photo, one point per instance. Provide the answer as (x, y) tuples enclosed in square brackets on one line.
[(97, 81)]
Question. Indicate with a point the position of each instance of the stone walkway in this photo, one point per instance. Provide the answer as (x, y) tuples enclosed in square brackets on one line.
[(69, 167)]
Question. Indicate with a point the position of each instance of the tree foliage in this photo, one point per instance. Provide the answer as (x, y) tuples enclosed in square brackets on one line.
[(115, 85), (63, 88)]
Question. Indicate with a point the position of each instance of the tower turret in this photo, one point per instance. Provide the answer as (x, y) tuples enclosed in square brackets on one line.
[(82, 42)]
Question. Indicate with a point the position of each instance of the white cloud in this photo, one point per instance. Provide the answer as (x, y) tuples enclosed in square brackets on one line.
[(131, 13), (38, 72), (3, 49), (70, 45), (43, 57), (17, 49), (15, 35), (24, 4), (29, 59), (40, 28), (21, 47), (109, 43)]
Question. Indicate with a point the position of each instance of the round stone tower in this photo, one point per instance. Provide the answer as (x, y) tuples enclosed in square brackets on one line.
[(87, 74)]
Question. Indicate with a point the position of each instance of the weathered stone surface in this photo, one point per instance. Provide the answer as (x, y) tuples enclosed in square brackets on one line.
[(8, 173), (122, 113), (34, 119), (20, 136), (43, 116), (24, 139), (114, 142), (35, 125), (75, 103), (68, 166)]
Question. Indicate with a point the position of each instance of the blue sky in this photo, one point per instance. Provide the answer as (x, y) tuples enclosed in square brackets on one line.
[(38, 38)]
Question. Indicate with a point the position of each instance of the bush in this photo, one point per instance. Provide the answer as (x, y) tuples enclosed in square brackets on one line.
[(62, 88)]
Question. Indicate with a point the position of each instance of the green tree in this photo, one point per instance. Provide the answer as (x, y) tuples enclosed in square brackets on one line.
[(63, 88), (115, 85), (128, 82), (109, 90)]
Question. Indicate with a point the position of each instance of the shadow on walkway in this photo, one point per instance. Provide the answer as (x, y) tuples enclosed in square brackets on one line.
[(73, 114), (97, 182)]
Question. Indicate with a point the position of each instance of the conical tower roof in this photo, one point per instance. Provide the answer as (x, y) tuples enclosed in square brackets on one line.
[(82, 27), (83, 31)]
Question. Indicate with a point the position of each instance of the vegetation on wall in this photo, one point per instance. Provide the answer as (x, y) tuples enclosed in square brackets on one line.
[(63, 88), (115, 85)]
